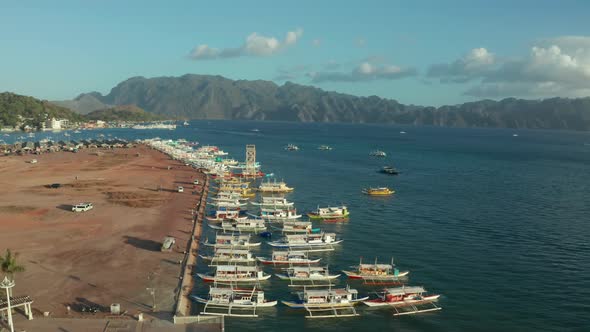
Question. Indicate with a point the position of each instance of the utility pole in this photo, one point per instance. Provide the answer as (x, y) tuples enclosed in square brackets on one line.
[(152, 289)]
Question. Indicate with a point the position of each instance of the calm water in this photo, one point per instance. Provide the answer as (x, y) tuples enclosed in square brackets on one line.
[(497, 224)]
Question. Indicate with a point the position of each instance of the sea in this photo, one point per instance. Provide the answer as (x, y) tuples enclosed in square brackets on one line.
[(497, 221)]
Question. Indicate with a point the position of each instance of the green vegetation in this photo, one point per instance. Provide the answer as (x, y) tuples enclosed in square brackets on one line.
[(123, 113), (21, 111), (9, 264)]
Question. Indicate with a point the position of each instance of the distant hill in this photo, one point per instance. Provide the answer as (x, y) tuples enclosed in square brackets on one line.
[(123, 113), (216, 97), (84, 103), (14, 108)]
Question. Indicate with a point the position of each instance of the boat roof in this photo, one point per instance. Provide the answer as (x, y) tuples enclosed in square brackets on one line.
[(333, 291), (405, 290), (308, 268), (228, 268), (232, 251), (233, 236), (229, 291), (376, 266), (303, 236)]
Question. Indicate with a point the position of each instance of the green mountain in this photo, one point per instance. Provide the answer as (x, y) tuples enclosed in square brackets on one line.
[(123, 113), (20, 111), (84, 103), (216, 97)]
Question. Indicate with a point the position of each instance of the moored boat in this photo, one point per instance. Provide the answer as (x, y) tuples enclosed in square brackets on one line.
[(239, 300), (274, 187), (336, 213), (241, 225), (307, 273), (271, 214), (223, 256), (376, 273), (406, 300), (324, 303), (311, 241), (235, 274), (234, 241), (273, 202), (288, 258)]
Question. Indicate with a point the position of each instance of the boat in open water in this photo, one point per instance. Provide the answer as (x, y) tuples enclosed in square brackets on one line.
[(290, 258), (389, 170), (406, 300), (327, 303), (233, 302), (378, 153), (379, 191), (232, 274)]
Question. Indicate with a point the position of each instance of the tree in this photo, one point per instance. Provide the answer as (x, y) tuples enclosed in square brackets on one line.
[(9, 264)]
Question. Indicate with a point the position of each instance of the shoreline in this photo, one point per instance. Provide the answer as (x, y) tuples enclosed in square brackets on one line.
[(110, 253)]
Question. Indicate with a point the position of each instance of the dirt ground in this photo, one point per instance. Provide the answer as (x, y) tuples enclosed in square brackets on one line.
[(109, 254)]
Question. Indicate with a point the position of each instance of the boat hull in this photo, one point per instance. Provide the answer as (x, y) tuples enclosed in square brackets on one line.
[(301, 305), (389, 277), (210, 278), (271, 262), (266, 304), (302, 245), (380, 303)]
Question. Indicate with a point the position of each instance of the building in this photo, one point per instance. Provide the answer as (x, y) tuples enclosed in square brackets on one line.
[(55, 124)]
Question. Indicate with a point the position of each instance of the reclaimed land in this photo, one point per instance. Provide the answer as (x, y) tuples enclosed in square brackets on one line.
[(110, 254)]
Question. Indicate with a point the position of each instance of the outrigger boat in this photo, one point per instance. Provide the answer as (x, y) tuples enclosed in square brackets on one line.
[(310, 242), (235, 204), (381, 191), (378, 153), (232, 241), (288, 258), (296, 227), (324, 147), (225, 214), (243, 192), (279, 214), (307, 274), (292, 147), (376, 273), (410, 299), (232, 300), (235, 274), (337, 213), (389, 170), (327, 303), (273, 202), (274, 187), (241, 225), (224, 256)]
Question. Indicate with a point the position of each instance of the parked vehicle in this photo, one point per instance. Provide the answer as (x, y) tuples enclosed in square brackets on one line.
[(82, 207)]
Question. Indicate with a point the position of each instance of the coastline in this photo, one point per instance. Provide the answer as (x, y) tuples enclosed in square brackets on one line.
[(110, 254)]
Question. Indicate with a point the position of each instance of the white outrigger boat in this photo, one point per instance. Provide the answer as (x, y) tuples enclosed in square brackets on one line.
[(234, 302), (223, 256), (241, 225), (309, 242), (232, 241), (235, 274), (225, 214), (288, 258), (295, 227), (279, 214), (377, 273), (410, 299), (273, 202), (274, 187), (309, 275), (327, 303), (228, 204)]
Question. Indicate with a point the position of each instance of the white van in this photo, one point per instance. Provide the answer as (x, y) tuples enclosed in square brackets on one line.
[(82, 207), (180, 189)]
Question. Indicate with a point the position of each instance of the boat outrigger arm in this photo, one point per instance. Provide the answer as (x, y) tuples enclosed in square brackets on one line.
[(415, 309)]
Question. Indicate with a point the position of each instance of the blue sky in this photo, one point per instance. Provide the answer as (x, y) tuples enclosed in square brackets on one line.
[(419, 52)]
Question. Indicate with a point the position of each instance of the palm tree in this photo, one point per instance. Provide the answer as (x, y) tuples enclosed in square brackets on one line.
[(9, 265)]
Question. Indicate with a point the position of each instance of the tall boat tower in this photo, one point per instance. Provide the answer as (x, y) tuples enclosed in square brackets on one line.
[(251, 159)]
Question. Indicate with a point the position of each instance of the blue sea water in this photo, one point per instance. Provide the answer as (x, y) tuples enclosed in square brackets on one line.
[(496, 223)]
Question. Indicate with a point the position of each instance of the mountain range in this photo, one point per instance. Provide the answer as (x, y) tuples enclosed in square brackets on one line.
[(214, 97)]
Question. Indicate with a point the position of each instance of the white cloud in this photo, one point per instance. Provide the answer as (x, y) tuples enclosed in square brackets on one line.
[(554, 67), (470, 66), (360, 42), (365, 71), (255, 45), (316, 42)]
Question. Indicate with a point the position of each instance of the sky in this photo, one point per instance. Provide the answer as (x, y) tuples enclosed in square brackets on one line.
[(417, 52)]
